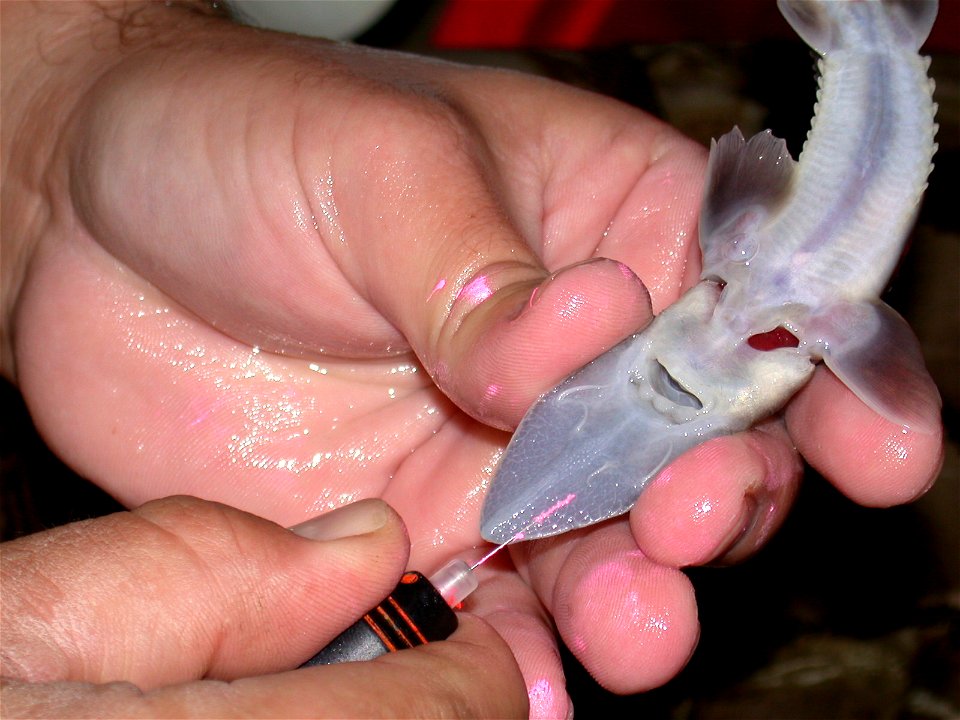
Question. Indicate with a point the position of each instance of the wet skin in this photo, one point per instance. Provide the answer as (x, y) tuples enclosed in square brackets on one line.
[(286, 275)]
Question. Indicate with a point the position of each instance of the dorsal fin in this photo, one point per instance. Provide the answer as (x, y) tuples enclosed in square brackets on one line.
[(746, 182)]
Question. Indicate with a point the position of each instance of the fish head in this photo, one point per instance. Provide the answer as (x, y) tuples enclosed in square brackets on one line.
[(730, 355), (586, 449)]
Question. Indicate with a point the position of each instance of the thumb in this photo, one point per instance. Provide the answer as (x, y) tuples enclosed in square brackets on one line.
[(497, 350), (181, 589), (448, 263)]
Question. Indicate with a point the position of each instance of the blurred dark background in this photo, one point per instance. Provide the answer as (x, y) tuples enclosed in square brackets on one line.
[(849, 612)]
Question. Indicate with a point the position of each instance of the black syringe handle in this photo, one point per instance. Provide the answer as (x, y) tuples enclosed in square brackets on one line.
[(413, 614)]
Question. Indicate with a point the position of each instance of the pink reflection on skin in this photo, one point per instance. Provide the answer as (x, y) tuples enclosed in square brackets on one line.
[(626, 271), (491, 391), (535, 295), (441, 283), (477, 290), (542, 696), (200, 418)]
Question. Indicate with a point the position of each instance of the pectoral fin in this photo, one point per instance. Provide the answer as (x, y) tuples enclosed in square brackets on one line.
[(747, 181), (875, 353)]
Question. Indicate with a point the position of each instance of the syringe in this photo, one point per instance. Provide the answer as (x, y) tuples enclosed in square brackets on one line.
[(419, 610)]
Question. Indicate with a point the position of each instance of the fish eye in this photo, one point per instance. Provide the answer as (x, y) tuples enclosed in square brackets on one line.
[(667, 386)]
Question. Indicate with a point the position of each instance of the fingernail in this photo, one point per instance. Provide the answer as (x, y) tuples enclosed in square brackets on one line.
[(541, 287), (491, 280), (359, 518), (572, 266), (731, 550), (539, 290)]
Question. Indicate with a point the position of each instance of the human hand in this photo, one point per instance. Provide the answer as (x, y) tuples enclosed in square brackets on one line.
[(185, 608), (293, 274)]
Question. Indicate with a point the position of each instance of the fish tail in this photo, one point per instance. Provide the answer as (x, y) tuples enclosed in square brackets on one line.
[(829, 25)]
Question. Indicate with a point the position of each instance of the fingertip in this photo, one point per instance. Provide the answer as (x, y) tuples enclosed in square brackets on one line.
[(719, 502), (489, 672), (631, 622), (538, 659), (278, 596), (507, 603), (872, 461), (523, 342), (695, 507)]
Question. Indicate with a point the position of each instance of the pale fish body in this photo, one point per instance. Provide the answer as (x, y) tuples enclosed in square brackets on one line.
[(805, 246)]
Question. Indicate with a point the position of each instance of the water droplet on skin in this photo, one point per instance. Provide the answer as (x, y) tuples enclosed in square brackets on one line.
[(573, 306), (658, 623), (702, 509), (894, 451)]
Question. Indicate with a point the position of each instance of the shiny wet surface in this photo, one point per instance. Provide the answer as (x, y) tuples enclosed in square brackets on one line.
[(849, 612)]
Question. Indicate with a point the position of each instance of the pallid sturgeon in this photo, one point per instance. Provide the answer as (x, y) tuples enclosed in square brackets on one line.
[(795, 255)]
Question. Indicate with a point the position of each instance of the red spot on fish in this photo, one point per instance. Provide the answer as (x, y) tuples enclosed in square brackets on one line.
[(775, 339)]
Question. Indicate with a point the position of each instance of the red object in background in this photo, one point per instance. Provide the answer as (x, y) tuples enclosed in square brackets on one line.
[(578, 24)]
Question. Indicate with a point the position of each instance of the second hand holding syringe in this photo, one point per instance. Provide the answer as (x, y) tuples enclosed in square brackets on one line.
[(419, 610)]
